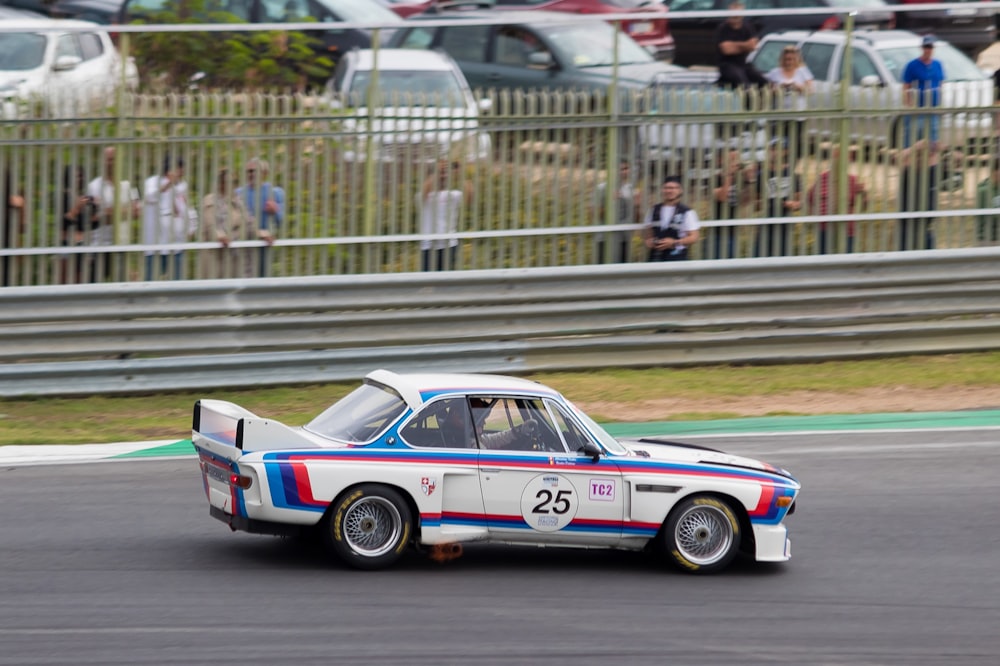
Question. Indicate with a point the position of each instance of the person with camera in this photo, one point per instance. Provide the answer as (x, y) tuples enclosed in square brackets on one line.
[(671, 227)]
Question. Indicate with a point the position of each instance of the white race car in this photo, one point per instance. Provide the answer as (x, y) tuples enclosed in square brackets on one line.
[(437, 460)]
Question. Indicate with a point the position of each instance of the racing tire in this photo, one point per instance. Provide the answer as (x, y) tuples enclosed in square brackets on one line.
[(701, 534), (368, 526)]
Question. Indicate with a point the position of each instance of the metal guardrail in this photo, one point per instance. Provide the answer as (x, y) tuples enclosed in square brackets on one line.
[(136, 337)]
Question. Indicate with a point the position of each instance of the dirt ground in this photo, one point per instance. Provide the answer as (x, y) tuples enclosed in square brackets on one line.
[(807, 402)]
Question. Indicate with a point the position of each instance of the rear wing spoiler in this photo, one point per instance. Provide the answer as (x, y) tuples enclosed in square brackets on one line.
[(220, 422)]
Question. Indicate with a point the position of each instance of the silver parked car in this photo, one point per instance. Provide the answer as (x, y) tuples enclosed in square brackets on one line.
[(423, 107), (878, 59)]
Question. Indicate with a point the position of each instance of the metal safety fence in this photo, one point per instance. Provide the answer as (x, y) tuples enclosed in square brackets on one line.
[(534, 173), (156, 336)]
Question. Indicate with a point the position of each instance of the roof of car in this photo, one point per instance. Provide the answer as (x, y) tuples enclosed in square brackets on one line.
[(405, 59), (508, 15), (881, 37), (42, 23), (411, 386), (9, 13)]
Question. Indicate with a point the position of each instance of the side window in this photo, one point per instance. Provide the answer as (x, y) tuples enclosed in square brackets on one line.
[(861, 66), (283, 11), (515, 424), (417, 38), (817, 58), (769, 55), (91, 45), (515, 45), (572, 435), (442, 424), (466, 43), (68, 46)]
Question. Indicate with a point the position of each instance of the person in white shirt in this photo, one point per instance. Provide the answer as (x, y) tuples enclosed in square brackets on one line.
[(442, 198), (102, 195), (792, 82), (671, 227), (165, 220)]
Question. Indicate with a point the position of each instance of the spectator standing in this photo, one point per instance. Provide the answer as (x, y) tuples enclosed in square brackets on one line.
[(919, 184), (792, 81), (616, 246), (105, 197), (735, 39), (441, 200), (165, 220), (922, 79), (224, 219), (779, 194), (824, 198), (11, 224), (266, 204), (670, 227), (988, 196), (76, 210), (733, 189)]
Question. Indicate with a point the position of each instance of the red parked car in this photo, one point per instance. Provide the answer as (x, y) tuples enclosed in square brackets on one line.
[(654, 34), (406, 8)]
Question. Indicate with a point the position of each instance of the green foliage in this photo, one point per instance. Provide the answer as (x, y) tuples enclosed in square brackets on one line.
[(273, 60)]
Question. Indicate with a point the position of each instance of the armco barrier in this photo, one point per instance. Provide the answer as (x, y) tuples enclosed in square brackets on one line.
[(132, 337)]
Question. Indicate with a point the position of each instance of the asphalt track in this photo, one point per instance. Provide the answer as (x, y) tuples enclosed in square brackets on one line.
[(895, 545)]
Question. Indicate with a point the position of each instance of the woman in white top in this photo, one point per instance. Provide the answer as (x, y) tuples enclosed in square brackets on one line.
[(792, 81), (442, 198)]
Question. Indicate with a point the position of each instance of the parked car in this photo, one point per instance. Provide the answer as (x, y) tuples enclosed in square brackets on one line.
[(66, 72), (427, 111), (878, 59), (694, 38), (334, 42), (965, 24), (437, 460), (104, 12), (653, 35), (540, 51), (407, 8)]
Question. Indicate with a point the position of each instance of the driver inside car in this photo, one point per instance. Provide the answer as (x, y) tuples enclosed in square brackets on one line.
[(519, 437)]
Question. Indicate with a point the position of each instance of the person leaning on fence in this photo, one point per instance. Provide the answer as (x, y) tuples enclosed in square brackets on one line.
[(266, 204), (442, 197), (733, 188), (792, 82), (616, 246), (11, 222), (670, 227), (76, 211), (779, 194), (224, 219), (824, 199), (735, 39), (919, 184), (988, 196)]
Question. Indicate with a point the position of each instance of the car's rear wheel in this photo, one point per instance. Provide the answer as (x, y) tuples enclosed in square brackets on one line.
[(702, 534), (368, 526)]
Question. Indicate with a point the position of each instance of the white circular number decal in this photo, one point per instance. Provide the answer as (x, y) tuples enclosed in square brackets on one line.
[(549, 502)]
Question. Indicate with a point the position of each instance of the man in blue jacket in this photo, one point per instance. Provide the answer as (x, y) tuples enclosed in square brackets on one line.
[(266, 204)]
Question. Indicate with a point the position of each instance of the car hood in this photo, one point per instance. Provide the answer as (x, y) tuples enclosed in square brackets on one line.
[(393, 119), (680, 452), (644, 74)]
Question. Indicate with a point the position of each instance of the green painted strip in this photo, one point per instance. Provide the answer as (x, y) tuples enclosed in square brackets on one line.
[(911, 420), (181, 448)]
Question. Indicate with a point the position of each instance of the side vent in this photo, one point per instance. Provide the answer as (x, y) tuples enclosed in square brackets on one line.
[(650, 488)]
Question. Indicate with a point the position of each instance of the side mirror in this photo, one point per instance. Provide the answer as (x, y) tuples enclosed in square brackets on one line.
[(592, 450), (541, 60), (66, 63), (871, 81)]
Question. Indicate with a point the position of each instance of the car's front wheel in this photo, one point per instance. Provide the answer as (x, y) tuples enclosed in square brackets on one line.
[(702, 534), (368, 527)]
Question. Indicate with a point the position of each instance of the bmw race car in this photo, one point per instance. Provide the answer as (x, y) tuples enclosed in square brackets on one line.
[(437, 460)]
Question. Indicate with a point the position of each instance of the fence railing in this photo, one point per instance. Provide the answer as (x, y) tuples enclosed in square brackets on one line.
[(154, 336), (532, 170)]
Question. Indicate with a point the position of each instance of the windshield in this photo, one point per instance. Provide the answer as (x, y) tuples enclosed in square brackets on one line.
[(592, 45), (360, 416), (409, 88), (607, 441), (957, 66), (21, 51)]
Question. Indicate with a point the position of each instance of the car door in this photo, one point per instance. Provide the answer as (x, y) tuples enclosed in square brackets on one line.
[(71, 80), (541, 488), (520, 59)]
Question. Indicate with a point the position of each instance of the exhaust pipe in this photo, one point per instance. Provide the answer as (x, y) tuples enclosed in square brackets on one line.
[(445, 552)]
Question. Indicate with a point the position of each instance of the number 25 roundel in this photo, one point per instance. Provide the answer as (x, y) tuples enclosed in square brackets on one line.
[(549, 502)]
